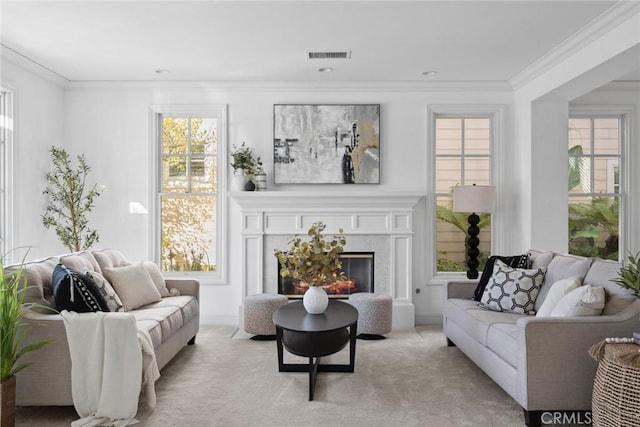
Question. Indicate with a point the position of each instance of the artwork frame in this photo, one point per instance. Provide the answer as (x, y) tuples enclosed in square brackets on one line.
[(326, 143)]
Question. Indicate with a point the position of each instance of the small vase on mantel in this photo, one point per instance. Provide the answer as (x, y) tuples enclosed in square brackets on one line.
[(238, 180), (315, 300)]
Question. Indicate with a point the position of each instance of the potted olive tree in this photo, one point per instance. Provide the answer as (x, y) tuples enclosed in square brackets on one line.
[(68, 203), (315, 262), (12, 333)]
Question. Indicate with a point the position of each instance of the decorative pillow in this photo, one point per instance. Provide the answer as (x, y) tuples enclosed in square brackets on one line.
[(515, 261), (556, 292), (586, 300), (107, 291), (133, 285), (74, 291), (157, 277), (512, 290)]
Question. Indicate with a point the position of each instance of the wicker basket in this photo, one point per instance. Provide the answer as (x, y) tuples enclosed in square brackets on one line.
[(616, 388)]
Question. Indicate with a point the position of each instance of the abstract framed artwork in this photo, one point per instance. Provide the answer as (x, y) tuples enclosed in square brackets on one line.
[(326, 144)]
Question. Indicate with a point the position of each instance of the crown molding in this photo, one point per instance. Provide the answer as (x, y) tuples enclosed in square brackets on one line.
[(19, 60), (609, 19), (239, 86)]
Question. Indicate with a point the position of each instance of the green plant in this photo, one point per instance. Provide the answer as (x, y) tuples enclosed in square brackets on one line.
[(12, 332), (629, 274), (243, 158), (68, 204), (315, 262)]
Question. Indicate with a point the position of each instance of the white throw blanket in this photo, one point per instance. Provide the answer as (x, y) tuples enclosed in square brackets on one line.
[(111, 361)]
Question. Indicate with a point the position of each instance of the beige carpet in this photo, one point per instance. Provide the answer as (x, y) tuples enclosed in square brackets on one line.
[(409, 379)]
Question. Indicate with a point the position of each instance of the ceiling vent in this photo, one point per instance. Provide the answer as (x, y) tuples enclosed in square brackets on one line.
[(346, 54)]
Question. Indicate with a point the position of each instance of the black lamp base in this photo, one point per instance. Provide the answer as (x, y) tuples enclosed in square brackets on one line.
[(472, 246)]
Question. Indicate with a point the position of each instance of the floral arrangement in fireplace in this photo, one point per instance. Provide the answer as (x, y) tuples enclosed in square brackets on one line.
[(315, 262)]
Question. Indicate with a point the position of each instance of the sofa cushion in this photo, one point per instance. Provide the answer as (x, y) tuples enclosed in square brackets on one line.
[(109, 258), (39, 290), (75, 291), (515, 261), (502, 339), (512, 290), (617, 298), (561, 267), (186, 303), (169, 318), (475, 321), (133, 285), (80, 261), (586, 300), (555, 294), (152, 327)]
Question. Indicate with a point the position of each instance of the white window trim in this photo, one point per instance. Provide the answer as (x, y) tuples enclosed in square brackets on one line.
[(218, 111), (628, 114), (7, 127), (497, 112)]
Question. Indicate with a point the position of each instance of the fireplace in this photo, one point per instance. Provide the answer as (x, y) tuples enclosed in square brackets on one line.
[(358, 267)]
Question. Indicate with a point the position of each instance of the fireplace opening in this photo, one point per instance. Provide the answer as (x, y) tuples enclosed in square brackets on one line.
[(357, 267)]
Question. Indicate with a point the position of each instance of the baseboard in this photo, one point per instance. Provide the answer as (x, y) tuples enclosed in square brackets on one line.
[(213, 319), (428, 319)]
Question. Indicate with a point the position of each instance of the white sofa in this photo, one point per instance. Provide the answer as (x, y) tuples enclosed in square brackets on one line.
[(172, 323), (541, 362)]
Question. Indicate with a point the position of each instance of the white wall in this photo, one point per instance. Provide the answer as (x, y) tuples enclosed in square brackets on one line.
[(38, 116)]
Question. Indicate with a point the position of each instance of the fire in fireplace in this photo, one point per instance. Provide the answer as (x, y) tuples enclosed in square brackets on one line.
[(357, 267)]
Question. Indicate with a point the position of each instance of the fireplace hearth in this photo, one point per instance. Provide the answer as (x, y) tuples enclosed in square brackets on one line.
[(358, 267)]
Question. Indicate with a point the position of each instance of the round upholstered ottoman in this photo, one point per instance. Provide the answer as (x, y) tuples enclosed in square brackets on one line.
[(374, 314), (258, 314)]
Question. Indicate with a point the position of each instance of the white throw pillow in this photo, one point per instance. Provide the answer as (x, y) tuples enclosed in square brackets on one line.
[(586, 300), (133, 284), (157, 277), (512, 289), (556, 292)]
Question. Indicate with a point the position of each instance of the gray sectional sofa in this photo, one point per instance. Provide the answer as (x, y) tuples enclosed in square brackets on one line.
[(542, 362), (172, 322)]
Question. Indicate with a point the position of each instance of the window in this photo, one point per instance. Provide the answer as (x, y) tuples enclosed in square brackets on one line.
[(189, 202), (463, 157), (595, 188), (6, 134)]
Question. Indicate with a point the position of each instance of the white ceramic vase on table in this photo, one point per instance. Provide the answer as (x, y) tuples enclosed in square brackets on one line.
[(315, 300)]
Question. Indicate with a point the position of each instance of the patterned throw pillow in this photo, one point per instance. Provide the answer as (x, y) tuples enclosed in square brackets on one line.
[(107, 291), (515, 261), (74, 291), (512, 290)]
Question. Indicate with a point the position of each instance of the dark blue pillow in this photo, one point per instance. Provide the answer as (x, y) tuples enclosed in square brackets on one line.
[(74, 291), (515, 261)]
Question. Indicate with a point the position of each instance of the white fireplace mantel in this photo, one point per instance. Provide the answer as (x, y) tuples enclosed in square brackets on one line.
[(383, 221)]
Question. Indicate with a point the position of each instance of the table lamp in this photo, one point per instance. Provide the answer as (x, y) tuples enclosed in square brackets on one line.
[(474, 199)]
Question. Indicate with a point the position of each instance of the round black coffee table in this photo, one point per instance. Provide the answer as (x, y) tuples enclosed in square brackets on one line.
[(314, 336)]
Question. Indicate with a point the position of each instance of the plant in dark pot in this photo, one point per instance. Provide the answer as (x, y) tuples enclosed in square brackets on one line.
[(12, 333), (245, 166)]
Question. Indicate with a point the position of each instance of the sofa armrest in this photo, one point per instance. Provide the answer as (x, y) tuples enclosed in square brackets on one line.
[(185, 286), (555, 371), (460, 289)]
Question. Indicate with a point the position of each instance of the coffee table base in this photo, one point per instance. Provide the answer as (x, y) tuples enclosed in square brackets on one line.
[(315, 353)]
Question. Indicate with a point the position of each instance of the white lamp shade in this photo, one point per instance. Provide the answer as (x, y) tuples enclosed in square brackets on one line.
[(474, 198)]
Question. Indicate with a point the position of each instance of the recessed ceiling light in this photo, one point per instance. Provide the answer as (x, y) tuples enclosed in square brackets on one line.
[(162, 71), (429, 73), (325, 69)]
